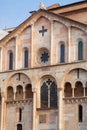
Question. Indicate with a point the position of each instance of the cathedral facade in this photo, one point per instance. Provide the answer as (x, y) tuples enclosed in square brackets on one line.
[(43, 69)]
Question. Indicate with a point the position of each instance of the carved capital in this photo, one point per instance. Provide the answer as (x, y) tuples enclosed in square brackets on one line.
[(59, 89)]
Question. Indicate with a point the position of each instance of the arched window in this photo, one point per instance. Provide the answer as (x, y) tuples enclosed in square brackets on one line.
[(49, 94), (62, 53), (28, 91), (10, 93), (80, 113), (19, 93), (44, 96), (80, 50), (26, 58), (10, 61), (67, 90), (19, 126), (79, 90), (53, 95)]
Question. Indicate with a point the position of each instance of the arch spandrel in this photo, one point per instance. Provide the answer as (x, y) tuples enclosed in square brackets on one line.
[(17, 79)]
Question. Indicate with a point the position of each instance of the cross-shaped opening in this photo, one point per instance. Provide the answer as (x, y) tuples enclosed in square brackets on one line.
[(43, 31)]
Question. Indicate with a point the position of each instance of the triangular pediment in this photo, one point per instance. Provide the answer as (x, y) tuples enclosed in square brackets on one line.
[(51, 17)]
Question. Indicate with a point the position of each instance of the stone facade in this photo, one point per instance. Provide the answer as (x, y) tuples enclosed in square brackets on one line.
[(43, 71)]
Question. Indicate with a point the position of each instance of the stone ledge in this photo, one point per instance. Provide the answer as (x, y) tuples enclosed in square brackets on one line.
[(71, 100), (29, 100)]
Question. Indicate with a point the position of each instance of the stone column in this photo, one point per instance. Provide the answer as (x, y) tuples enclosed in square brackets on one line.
[(3, 112), (60, 106), (72, 92), (16, 52), (69, 45), (51, 55), (84, 91), (34, 110), (32, 47)]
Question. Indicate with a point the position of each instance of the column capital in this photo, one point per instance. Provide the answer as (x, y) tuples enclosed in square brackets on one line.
[(34, 90), (2, 94), (59, 89)]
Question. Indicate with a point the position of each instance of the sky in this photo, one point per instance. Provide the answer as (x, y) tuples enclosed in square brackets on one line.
[(14, 12)]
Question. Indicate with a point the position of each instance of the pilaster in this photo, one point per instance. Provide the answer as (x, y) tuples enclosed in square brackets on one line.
[(16, 52), (32, 46), (3, 112), (34, 110), (51, 55), (69, 44), (60, 106)]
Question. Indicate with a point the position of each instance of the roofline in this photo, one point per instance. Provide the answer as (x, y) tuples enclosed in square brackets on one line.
[(37, 13), (68, 5)]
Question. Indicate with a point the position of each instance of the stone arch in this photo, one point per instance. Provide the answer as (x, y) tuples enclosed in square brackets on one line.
[(19, 92), (48, 87), (79, 90), (42, 17), (43, 55), (28, 91), (70, 69), (79, 28), (17, 79), (24, 30), (67, 89), (10, 93)]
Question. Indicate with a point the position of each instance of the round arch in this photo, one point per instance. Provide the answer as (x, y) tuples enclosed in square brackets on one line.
[(16, 78)]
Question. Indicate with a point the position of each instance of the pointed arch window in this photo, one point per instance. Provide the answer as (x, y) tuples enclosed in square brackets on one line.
[(10, 60), (80, 113), (28, 91), (19, 92), (62, 53), (10, 93), (44, 96), (67, 89), (26, 58), (80, 50), (49, 94)]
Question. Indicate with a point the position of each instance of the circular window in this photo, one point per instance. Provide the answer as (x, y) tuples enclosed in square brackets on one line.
[(43, 55)]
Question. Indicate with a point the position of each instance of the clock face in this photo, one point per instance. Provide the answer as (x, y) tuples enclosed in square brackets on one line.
[(44, 57)]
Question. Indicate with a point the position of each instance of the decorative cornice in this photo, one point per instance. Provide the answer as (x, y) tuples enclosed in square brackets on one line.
[(75, 100), (17, 102)]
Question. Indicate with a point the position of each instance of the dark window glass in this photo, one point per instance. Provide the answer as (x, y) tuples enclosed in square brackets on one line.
[(10, 61), (44, 57), (80, 113), (44, 96), (19, 127), (49, 94), (53, 95), (26, 58), (20, 114), (80, 50), (62, 53)]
